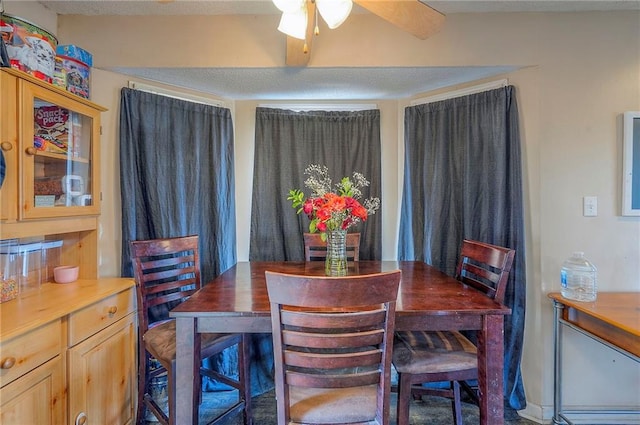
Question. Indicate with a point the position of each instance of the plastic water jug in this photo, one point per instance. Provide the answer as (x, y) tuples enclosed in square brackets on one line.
[(578, 278)]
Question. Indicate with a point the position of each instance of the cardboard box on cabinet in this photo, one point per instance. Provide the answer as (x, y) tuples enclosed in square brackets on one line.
[(75, 52), (72, 75)]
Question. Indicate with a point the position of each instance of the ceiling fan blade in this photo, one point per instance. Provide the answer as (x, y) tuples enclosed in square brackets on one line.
[(412, 16), (296, 55)]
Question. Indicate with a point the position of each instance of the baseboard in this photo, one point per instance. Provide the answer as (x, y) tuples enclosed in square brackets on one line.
[(536, 413), (544, 415)]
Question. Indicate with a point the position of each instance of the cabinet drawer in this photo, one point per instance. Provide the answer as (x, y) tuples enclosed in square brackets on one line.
[(28, 351), (90, 320)]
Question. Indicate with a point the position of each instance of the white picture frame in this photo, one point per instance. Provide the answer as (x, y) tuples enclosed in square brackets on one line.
[(631, 164)]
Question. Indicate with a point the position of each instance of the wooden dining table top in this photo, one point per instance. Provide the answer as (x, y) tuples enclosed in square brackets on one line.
[(428, 299), (241, 290)]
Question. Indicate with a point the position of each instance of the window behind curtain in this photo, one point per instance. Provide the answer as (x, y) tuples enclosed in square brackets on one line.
[(286, 142)]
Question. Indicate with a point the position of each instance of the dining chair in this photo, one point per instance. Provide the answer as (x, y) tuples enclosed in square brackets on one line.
[(422, 357), (332, 339), (316, 249), (167, 272)]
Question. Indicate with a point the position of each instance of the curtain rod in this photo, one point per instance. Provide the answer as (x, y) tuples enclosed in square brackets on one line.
[(299, 107), (462, 92), (175, 94)]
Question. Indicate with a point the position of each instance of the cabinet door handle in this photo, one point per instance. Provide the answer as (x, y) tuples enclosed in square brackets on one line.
[(112, 310), (81, 419), (31, 150), (6, 146), (8, 363)]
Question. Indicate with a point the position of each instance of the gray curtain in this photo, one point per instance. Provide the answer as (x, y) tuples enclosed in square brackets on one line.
[(463, 180), (286, 142), (176, 176), (177, 179)]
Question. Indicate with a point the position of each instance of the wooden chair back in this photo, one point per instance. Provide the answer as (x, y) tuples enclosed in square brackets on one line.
[(315, 249), (333, 338), (167, 272), (485, 267)]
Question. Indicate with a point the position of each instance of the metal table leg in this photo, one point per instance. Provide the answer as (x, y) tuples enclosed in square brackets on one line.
[(558, 417)]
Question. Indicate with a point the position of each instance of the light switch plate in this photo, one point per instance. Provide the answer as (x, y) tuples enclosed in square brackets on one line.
[(590, 206)]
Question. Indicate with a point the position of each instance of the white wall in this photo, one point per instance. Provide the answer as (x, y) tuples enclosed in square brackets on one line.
[(581, 71)]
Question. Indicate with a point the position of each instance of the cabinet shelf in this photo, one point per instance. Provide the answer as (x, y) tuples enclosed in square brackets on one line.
[(62, 157)]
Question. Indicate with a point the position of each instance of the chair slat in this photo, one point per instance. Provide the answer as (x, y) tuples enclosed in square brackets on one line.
[(161, 261), (299, 379), (155, 287), (332, 340), (332, 360), (173, 274), (361, 319)]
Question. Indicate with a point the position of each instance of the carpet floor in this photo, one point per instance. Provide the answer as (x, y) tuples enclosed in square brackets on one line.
[(429, 411)]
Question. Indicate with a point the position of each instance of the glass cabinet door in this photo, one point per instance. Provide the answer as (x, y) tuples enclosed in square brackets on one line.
[(60, 142)]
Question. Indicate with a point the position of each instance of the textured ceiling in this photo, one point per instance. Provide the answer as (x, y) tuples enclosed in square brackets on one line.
[(231, 7), (314, 83)]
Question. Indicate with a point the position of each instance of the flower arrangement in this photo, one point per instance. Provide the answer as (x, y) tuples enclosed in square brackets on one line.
[(332, 210)]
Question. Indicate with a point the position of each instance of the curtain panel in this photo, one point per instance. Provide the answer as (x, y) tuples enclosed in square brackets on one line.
[(286, 142), (463, 180), (177, 179)]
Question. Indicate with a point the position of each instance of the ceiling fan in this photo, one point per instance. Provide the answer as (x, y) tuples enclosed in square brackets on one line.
[(298, 17)]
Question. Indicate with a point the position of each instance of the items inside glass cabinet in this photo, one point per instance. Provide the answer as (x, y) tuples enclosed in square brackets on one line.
[(62, 165)]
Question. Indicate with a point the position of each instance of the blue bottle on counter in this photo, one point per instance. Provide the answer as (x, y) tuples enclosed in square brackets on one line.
[(578, 278)]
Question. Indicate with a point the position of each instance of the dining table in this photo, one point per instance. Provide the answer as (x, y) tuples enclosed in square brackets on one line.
[(236, 301)]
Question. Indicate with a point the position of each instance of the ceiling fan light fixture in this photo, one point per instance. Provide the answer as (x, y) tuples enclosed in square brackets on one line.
[(334, 12), (294, 24)]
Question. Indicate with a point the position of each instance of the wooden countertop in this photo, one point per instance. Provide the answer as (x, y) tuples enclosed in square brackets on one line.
[(613, 317), (53, 301)]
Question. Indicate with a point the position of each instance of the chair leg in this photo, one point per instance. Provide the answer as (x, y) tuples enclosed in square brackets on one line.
[(456, 404), (142, 388), (404, 398), (244, 376)]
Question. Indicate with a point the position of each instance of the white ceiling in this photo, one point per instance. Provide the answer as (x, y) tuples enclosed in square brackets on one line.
[(314, 83)]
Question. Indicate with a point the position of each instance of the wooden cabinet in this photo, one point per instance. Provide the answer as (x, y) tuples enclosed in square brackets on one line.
[(101, 364), (67, 351), (55, 136), (30, 372), (50, 139), (35, 398), (68, 355)]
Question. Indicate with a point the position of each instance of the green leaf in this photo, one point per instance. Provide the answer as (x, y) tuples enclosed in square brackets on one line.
[(296, 197)]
